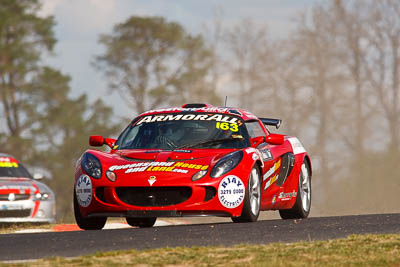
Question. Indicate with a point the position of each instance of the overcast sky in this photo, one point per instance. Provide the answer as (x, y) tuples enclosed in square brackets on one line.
[(79, 23)]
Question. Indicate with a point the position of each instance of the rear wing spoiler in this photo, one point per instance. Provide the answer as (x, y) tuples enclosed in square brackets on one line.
[(271, 122)]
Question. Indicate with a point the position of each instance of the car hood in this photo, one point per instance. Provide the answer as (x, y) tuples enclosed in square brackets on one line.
[(165, 155), (23, 185), (18, 185)]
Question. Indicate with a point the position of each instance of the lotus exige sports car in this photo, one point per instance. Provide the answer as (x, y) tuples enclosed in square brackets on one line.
[(195, 160), (22, 197)]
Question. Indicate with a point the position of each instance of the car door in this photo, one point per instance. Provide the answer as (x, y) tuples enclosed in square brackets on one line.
[(273, 158)]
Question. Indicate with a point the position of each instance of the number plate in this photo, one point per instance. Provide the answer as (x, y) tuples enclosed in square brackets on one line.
[(11, 207)]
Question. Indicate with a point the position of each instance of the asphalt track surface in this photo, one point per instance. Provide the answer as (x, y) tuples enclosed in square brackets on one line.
[(77, 243)]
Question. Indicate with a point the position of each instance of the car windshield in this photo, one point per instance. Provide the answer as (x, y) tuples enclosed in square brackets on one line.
[(11, 168), (175, 131)]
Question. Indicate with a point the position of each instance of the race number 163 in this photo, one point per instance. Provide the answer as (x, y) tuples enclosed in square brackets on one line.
[(227, 126)]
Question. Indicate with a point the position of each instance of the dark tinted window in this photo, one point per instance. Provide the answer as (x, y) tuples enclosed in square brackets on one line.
[(10, 168), (254, 129), (186, 129)]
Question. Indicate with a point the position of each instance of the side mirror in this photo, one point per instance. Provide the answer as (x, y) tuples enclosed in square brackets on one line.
[(96, 140), (110, 142), (38, 176), (275, 139), (257, 140)]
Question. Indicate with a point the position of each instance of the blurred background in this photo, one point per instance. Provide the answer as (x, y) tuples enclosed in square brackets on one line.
[(329, 69)]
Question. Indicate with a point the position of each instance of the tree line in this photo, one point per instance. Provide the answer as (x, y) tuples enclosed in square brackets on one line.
[(334, 80)]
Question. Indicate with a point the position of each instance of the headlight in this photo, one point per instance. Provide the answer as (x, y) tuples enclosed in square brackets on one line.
[(91, 165), (226, 164), (42, 196)]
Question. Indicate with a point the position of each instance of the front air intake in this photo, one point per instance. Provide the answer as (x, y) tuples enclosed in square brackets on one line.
[(210, 193), (154, 196), (15, 213)]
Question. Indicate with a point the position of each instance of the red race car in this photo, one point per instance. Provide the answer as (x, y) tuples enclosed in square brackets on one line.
[(194, 160)]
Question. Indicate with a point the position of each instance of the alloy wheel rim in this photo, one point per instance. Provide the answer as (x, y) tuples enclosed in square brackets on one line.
[(255, 192), (305, 188)]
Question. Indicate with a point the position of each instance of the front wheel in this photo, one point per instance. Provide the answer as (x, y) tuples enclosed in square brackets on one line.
[(87, 223), (252, 200), (302, 207), (141, 222)]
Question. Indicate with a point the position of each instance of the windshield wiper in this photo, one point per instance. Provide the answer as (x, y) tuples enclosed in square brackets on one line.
[(208, 142)]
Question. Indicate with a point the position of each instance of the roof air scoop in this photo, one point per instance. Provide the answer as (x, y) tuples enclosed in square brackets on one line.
[(196, 105)]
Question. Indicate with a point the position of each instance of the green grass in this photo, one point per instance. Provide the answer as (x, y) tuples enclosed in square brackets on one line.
[(356, 250)]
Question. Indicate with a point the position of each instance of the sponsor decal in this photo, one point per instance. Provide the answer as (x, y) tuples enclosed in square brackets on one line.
[(152, 180), (274, 200), (297, 147), (159, 166), (249, 150), (266, 154), (8, 164), (203, 109), (256, 154), (189, 117), (227, 126), (260, 156), (190, 166), (272, 170), (141, 164), (83, 190), (231, 191), (270, 181), (287, 196)]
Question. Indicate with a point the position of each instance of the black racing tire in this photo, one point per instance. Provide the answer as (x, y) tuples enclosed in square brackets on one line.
[(302, 206), (252, 199), (141, 222), (87, 223)]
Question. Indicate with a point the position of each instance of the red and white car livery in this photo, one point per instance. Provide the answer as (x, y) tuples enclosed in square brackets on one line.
[(22, 198), (189, 161)]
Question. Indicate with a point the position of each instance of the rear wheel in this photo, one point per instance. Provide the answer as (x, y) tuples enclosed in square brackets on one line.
[(252, 199), (302, 207), (87, 223), (141, 222)]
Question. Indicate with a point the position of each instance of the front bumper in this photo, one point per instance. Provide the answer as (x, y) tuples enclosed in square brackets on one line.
[(27, 211), (108, 201), (161, 213)]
